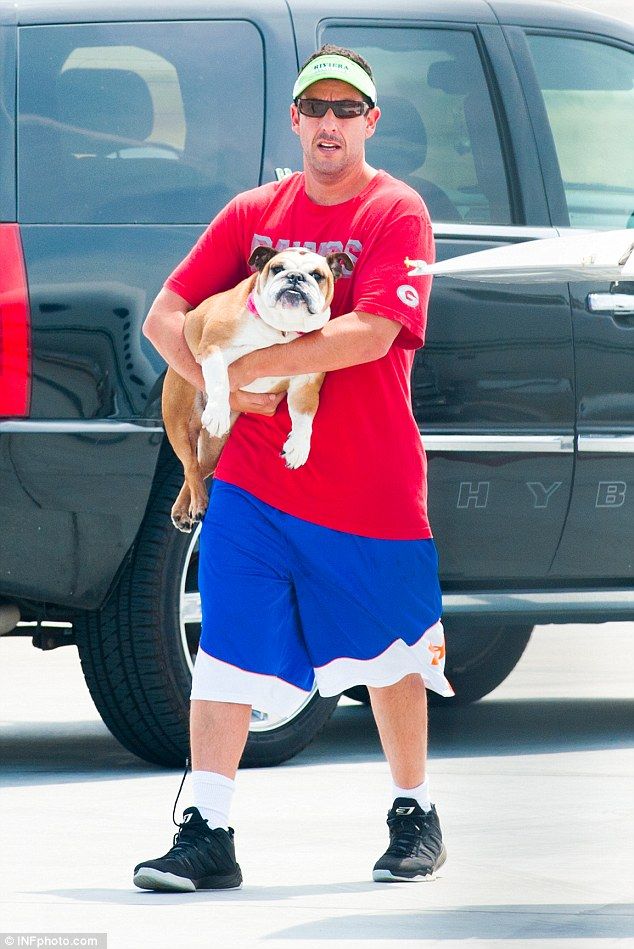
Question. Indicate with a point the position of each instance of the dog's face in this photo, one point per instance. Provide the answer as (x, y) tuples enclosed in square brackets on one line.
[(294, 287)]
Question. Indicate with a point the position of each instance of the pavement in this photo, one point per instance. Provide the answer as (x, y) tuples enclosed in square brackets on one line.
[(533, 787)]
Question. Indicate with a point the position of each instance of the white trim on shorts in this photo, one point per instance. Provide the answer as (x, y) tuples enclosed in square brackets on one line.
[(426, 656), (218, 681)]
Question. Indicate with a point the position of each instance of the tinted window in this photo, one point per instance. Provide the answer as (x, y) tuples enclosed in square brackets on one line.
[(588, 90), (136, 122), (437, 130)]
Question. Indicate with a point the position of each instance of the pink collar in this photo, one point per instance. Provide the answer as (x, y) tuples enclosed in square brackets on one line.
[(251, 307)]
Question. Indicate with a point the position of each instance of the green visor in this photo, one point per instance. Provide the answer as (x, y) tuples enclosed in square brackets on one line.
[(335, 67)]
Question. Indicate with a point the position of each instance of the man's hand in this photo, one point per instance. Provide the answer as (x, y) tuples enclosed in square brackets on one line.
[(242, 371), (259, 403), (348, 340)]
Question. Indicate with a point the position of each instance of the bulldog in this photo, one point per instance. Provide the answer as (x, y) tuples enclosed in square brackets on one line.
[(288, 295)]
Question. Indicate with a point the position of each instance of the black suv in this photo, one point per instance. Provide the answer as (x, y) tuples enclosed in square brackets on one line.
[(122, 132)]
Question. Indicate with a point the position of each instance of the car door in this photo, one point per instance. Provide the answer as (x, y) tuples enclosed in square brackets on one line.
[(131, 135), (493, 386), (581, 92)]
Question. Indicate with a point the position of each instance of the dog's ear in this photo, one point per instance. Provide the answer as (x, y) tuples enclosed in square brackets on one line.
[(261, 256), (337, 262)]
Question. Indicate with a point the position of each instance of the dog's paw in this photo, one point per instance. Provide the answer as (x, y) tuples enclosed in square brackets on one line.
[(216, 419), (185, 521), (295, 451), (182, 522)]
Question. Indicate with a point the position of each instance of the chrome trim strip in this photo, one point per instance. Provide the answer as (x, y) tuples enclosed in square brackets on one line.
[(606, 444), (492, 232), (542, 444), (546, 444), (77, 427), (532, 602)]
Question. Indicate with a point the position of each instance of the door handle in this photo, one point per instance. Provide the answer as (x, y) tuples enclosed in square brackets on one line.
[(616, 303)]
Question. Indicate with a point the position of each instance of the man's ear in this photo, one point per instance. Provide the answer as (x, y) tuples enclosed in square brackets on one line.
[(261, 256), (371, 118), (294, 118), (337, 262)]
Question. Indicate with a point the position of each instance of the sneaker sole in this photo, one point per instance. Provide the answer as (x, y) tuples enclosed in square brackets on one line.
[(147, 878), (386, 876)]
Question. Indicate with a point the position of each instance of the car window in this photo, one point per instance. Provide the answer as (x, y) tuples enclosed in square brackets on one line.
[(136, 122), (588, 90), (437, 130)]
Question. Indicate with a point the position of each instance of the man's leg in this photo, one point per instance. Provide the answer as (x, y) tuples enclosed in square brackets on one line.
[(218, 733), (251, 653), (400, 712), (203, 854), (370, 613), (416, 849)]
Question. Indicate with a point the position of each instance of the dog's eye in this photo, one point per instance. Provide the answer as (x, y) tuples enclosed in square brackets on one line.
[(277, 269), (318, 276)]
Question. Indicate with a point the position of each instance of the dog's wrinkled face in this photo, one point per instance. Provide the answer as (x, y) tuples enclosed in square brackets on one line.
[(294, 288)]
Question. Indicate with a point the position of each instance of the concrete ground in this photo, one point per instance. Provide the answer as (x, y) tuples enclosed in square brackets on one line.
[(533, 787)]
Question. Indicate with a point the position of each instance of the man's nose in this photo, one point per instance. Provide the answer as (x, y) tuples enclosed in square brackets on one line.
[(329, 120)]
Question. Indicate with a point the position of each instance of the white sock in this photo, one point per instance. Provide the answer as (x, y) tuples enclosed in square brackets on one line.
[(420, 794), (212, 794)]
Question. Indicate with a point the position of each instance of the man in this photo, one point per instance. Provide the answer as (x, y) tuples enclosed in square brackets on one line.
[(327, 571)]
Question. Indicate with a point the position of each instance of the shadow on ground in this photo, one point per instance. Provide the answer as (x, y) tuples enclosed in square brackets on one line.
[(32, 752), (494, 922), (509, 727)]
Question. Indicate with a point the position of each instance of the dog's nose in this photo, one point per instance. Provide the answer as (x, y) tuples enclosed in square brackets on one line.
[(294, 277)]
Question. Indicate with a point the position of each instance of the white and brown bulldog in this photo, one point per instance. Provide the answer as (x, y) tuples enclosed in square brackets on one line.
[(289, 295)]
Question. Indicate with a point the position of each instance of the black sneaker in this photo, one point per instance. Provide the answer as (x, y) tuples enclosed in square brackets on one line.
[(416, 849), (201, 859)]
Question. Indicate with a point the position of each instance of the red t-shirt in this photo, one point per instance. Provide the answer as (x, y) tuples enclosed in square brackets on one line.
[(366, 472)]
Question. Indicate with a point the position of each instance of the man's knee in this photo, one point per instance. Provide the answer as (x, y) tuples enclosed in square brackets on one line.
[(411, 682)]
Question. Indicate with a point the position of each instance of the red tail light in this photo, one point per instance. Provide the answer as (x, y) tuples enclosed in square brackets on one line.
[(15, 326)]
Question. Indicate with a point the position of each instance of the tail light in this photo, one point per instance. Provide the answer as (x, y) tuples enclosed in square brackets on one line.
[(15, 326)]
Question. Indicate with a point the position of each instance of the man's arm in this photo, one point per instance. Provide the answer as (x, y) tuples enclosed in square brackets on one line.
[(163, 326), (349, 340)]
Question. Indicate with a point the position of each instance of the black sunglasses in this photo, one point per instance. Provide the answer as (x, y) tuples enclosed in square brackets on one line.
[(342, 108)]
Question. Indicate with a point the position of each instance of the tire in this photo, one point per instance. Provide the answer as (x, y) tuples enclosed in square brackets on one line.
[(137, 652), (359, 693), (478, 659)]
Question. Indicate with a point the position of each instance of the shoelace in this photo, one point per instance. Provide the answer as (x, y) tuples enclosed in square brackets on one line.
[(174, 821), (405, 833), (188, 833)]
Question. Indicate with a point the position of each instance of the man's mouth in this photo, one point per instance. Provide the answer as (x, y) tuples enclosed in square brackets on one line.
[(328, 146)]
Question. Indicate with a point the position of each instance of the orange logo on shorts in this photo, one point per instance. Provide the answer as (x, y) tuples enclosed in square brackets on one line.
[(439, 653)]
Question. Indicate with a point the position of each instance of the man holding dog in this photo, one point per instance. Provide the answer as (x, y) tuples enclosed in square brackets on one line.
[(326, 573)]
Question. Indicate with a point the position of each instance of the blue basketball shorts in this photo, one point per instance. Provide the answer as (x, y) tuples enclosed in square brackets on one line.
[(287, 604)]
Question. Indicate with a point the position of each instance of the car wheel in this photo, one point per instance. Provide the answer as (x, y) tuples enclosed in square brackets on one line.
[(137, 652), (478, 659)]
